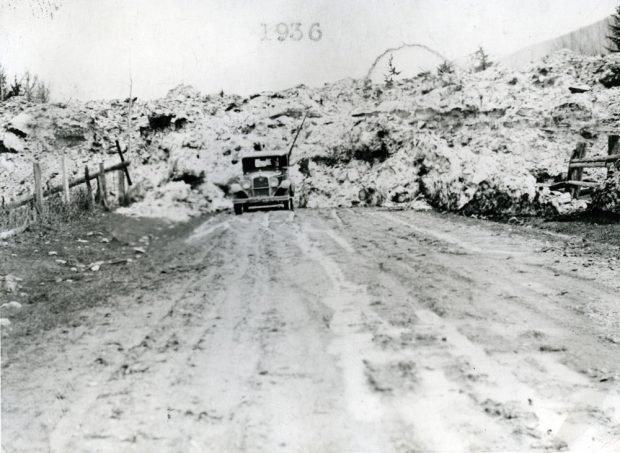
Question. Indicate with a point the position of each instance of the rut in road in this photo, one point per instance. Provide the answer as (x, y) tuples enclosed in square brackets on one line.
[(498, 305), (348, 330)]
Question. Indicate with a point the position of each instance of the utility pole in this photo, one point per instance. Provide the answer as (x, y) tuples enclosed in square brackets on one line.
[(297, 134), (129, 113)]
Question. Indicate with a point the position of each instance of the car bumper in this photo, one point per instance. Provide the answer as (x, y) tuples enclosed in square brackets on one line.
[(256, 201)]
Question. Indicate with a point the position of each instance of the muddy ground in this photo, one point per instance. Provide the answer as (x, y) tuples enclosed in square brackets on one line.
[(318, 331)]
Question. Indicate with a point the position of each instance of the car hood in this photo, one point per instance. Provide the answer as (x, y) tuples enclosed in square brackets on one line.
[(266, 174)]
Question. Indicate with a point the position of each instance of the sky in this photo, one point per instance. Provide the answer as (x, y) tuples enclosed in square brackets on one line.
[(91, 49)]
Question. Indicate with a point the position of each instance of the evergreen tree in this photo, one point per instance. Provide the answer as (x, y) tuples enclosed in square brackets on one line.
[(445, 68), (392, 72), (42, 93), (482, 60), (614, 32), (16, 88), (3, 85), (29, 84)]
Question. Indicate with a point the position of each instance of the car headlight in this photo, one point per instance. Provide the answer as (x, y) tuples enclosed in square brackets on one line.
[(273, 182), (246, 185)]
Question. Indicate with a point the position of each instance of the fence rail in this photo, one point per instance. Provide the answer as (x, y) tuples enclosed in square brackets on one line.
[(37, 198), (579, 161), (593, 160)]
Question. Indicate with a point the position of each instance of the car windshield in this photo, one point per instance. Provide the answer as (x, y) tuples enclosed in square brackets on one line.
[(267, 163)]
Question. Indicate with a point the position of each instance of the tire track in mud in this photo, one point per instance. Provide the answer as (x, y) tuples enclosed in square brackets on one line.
[(377, 426), (284, 412), (409, 376), (406, 376), (293, 389), (574, 421), (73, 367), (229, 374), (221, 386), (412, 378), (435, 259), (524, 284), (99, 405), (251, 379)]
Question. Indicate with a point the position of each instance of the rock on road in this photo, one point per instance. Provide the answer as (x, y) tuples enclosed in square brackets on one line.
[(337, 331)]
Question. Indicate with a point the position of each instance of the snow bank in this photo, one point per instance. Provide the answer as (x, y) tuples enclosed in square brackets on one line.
[(607, 196), (474, 143)]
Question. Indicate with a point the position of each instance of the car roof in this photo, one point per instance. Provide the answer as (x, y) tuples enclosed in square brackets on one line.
[(255, 154)]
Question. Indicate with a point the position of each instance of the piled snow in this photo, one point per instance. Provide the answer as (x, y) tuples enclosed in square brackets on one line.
[(459, 180), (177, 201), (607, 195), (21, 124), (474, 143), (10, 143)]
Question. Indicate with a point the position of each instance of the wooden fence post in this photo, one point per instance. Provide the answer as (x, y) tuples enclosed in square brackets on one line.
[(89, 188), (613, 144), (120, 153), (103, 190), (575, 174), (38, 187), (65, 181), (122, 192)]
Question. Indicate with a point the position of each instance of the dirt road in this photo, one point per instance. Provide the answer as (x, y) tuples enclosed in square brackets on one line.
[(336, 331)]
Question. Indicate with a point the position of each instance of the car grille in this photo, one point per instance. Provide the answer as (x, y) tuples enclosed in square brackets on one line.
[(261, 192), (261, 182), (261, 186)]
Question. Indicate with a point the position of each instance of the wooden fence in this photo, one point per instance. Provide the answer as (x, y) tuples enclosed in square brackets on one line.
[(579, 161), (38, 197)]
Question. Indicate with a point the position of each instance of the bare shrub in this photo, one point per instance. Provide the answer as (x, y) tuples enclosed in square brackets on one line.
[(55, 212), (58, 212), (28, 85)]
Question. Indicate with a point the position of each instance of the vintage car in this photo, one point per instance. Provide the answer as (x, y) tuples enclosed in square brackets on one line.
[(265, 182)]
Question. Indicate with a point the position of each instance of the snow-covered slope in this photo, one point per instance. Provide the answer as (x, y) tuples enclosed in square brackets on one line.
[(590, 40)]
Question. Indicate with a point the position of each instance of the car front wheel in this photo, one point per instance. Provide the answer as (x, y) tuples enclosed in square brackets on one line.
[(238, 209)]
